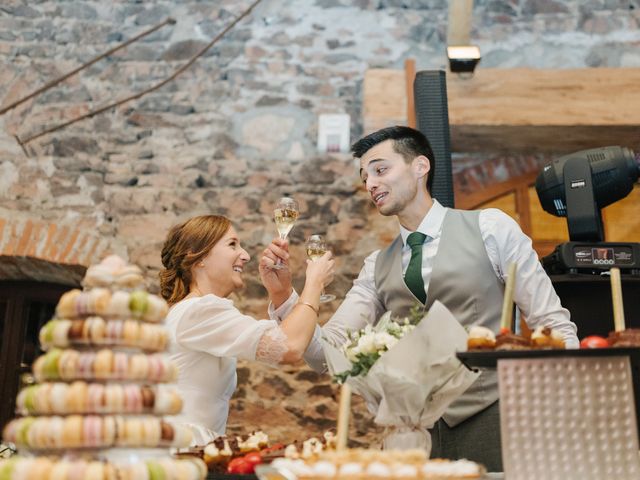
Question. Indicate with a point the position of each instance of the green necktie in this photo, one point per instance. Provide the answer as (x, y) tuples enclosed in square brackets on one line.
[(413, 275)]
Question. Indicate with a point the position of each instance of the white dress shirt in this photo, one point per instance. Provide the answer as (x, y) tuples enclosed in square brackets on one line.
[(207, 334), (504, 242)]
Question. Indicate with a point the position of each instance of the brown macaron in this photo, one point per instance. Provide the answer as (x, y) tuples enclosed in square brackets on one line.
[(75, 331), (148, 397), (166, 431)]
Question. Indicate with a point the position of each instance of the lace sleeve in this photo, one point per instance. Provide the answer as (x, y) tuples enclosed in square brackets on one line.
[(272, 346)]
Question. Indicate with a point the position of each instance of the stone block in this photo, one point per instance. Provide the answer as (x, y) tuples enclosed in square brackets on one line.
[(534, 7), (145, 228), (78, 10), (69, 146), (182, 50), (20, 11), (152, 15)]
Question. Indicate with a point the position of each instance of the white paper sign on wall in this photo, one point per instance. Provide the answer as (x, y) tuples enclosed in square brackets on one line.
[(334, 132)]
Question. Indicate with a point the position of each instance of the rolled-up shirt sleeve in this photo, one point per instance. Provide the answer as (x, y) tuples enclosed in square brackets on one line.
[(360, 307), (533, 292), (285, 309), (217, 327)]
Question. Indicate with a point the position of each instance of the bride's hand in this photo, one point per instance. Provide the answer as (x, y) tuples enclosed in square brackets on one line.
[(277, 282), (321, 270)]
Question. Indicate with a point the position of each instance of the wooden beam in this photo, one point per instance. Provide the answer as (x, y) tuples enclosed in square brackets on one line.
[(525, 110), (384, 99), (523, 208), (409, 78), (532, 97), (546, 247), (522, 139), (459, 24), (471, 200)]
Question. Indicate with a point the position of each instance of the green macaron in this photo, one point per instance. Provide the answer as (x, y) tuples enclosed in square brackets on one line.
[(30, 398), (50, 366), (138, 302), (25, 424), (156, 472), (6, 468)]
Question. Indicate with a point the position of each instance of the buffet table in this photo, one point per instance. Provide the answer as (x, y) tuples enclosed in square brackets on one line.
[(567, 414)]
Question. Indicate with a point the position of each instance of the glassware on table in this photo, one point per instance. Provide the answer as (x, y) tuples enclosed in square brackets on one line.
[(316, 247), (285, 215)]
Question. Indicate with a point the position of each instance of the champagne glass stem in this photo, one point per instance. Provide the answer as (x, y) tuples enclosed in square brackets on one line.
[(279, 265), (326, 297)]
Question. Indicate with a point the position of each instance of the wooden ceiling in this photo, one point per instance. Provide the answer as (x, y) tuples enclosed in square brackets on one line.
[(522, 110)]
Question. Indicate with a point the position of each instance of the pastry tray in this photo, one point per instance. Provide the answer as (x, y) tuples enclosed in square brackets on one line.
[(267, 472), (489, 359)]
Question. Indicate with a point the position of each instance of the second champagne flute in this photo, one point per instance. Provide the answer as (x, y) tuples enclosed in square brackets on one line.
[(316, 247), (285, 215)]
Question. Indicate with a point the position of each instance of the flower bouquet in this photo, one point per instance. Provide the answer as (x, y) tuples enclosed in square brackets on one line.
[(407, 372)]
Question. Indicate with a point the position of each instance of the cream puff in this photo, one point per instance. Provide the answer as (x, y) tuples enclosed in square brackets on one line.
[(547, 338)]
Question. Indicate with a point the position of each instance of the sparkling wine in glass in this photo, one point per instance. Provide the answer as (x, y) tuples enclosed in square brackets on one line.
[(316, 248), (285, 215)]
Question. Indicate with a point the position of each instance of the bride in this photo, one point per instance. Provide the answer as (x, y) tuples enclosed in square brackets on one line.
[(203, 264)]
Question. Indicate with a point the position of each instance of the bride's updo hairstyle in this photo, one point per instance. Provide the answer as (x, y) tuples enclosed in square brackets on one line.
[(186, 245)]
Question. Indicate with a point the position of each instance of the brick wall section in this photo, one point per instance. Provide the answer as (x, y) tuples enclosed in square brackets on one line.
[(62, 243)]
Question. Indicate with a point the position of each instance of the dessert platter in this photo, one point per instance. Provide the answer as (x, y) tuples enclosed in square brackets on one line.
[(250, 456), (227, 456), (372, 464), (103, 387), (231, 455), (484, 349)]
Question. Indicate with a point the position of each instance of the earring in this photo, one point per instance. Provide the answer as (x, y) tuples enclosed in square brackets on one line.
[(201, 264)]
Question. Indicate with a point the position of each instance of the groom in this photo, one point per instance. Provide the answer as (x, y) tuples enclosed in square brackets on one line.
[(457, 257)]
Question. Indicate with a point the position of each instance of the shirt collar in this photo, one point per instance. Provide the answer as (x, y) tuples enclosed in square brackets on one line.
[(431, 224)]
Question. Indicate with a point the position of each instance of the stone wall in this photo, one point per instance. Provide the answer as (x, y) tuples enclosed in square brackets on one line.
[(238, 129)]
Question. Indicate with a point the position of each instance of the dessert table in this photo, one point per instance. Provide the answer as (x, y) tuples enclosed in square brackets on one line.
[(566, 414), (489, 359)]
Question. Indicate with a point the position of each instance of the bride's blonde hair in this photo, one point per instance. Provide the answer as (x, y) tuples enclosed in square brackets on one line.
[(187, 244)]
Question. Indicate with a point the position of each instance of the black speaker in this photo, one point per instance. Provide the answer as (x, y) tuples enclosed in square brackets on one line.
[(432, 115), (588, 298)]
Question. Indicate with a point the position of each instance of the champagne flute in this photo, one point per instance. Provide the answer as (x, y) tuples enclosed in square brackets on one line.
[(317, 247), (285, 215)]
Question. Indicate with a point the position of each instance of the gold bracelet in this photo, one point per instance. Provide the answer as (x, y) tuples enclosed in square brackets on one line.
[(316, 310)]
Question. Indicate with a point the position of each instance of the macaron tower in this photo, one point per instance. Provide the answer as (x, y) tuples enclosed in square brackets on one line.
[(96, 411)]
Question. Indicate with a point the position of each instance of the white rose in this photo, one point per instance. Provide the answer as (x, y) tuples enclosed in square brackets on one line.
[(383, 339), (352, 354), (367, 344), (390, 341), (407, 328)]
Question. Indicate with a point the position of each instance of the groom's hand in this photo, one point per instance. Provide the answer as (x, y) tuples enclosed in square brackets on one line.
[(277, 282)]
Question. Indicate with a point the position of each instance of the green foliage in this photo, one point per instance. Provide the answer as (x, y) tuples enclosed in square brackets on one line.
[(361, 366), (417, 313), (396, 327)]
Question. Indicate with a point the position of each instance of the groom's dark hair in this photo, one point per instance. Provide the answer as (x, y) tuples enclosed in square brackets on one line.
[(407, 141)]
